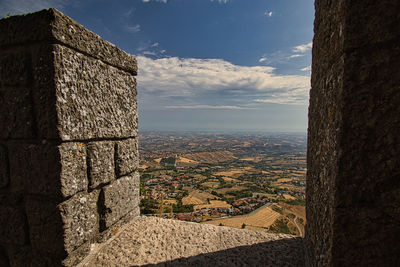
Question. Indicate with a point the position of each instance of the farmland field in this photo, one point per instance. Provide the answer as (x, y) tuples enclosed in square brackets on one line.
[(260, 220)]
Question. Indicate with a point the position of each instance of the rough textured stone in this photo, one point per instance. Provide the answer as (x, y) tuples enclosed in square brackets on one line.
[(16, 120), (34, 169), (47, 169), (80, 219), (4, 168), (52, 26), (353, 139), (12, 225), (14, 69), (118, 199), (100, 163), (43, 93), (60, 229), (45, 227), (127, 158), (94, 100), (150, 240), (73, 168), (67, 103)]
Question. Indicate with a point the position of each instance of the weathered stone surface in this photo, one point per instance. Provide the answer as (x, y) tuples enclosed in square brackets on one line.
[(12, 225), (47, 169), (60, 229), (16, 120), (325, 121), (354, 125), (127, 156), (73, 168), (101, 163), (43, 92), (370, 22), (80, 219), (4, 168), (35, 169), (46, 229), (52, 26), (150, 240), (119, 198), (94, 100), (14, 68)]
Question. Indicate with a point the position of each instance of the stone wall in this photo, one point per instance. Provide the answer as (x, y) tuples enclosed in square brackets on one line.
[(68, 140), (353, 185)]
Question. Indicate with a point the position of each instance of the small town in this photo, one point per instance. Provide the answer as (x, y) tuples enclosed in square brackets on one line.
[(225, 179)]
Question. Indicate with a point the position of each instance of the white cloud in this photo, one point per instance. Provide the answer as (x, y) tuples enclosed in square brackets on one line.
[(203, 107), (15, 7), (268, 13), (150, 53), (308, 68), (221, 1), (296, 55), (302, 48), (262, 59), (155, 44), (132, 29), (196, 79), (163, 51), (162, 1)]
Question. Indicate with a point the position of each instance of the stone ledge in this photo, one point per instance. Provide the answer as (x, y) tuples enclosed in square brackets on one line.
[(151, 240), (53, 26)]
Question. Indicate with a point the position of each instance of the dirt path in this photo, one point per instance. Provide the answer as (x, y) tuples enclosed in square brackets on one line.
[(298, 228)]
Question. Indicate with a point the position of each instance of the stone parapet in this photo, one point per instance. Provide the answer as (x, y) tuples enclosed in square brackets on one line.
[(68, 140), (152, 241)]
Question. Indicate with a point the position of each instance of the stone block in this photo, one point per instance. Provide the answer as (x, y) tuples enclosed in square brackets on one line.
[(370, 22), (54, 27), (14, 68), (16, 119), (60, 229), (12, 225), (127, 156), (73, 168), (48, 169), (4, 168), (35, 169), (118, 199), (43, 92), (80, 219), (100, 163), (46, 229), (94, 100)]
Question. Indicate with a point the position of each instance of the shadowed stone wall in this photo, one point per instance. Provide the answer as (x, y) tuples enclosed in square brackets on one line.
[(353, 185), (68, 140)]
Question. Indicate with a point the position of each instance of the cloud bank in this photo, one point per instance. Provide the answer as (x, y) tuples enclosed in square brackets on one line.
[(202, 81)]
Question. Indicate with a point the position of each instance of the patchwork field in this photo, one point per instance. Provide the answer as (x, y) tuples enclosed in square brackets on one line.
[(186, 160), (213, 204), (259, 220), (197, 197), (230, 173), (210, 157)]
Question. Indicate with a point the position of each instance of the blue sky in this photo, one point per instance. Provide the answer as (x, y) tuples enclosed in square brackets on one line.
[(207, 65)]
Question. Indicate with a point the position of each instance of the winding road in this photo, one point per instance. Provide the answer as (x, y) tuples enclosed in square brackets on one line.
[(298, 228)]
